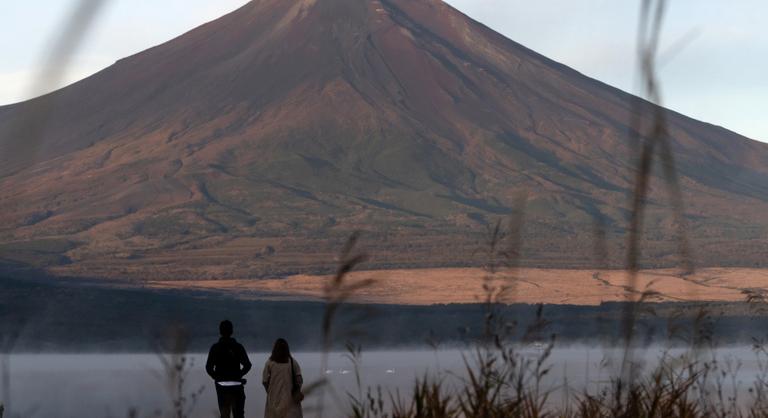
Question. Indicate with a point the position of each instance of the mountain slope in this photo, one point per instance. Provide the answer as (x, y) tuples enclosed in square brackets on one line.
[(253, 144)]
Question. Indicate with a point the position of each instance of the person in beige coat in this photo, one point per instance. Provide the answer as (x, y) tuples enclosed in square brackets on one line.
[(282, 380)]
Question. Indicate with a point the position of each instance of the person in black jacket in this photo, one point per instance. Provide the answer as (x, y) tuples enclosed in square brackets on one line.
[(227, 364)]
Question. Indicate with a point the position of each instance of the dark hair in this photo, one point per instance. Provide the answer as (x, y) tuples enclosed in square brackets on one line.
[(225, 328), (281, 353)]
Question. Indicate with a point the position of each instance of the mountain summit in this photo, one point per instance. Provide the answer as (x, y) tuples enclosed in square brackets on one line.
[(255, 143)]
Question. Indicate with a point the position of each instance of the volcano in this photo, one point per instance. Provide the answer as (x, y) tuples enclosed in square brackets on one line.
[(254, 144)]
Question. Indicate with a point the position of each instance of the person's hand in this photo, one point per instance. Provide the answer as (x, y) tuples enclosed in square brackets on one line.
[(243, 381)]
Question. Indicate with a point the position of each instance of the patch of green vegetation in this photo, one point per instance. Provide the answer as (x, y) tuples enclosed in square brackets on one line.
[(164, 225), (52, 245)]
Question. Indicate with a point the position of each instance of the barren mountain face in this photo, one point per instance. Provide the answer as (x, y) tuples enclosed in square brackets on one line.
[(254, 144)]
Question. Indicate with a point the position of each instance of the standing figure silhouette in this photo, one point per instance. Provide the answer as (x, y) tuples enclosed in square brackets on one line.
[(227, 364), (282, 380)]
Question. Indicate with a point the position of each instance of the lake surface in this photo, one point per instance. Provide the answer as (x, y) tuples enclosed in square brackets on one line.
[(109, 385)]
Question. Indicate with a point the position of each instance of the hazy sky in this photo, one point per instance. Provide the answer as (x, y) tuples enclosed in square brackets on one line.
[(721, 76)]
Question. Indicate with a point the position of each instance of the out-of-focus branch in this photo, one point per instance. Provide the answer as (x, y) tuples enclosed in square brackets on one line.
[(651, 139), (31, 120)]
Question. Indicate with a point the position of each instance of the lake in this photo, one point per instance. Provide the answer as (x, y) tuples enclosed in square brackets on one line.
[(109, 385)]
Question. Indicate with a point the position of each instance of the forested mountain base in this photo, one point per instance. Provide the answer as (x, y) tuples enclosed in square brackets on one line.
[(81, 316)]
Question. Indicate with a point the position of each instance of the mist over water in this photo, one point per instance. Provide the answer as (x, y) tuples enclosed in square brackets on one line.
[(104, 385)]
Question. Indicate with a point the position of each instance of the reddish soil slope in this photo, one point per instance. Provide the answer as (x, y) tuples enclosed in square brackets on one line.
[(254, 144)]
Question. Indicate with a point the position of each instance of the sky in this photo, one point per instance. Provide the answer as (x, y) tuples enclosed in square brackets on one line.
[(718, 72)]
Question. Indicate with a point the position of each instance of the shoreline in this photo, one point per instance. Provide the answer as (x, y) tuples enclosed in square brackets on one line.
[(442, 286)]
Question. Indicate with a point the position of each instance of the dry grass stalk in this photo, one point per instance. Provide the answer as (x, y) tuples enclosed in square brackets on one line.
[(177, 365), (337, 292)]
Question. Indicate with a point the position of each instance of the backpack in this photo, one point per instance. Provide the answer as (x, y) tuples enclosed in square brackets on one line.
[(296, 393)]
